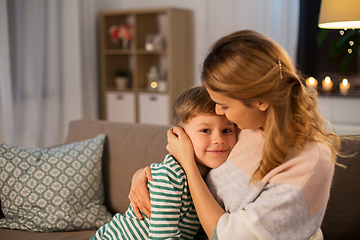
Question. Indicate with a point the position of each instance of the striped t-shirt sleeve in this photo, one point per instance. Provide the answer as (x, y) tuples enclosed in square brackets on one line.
[(172, 211)]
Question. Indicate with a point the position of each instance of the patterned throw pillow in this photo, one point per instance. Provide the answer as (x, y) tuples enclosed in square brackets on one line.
[(57, 189)]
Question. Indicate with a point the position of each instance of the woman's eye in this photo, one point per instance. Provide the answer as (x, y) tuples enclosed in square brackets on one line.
[(205, 130), (223, 108)]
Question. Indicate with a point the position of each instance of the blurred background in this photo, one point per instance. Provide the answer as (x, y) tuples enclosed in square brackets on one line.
[(53, 55)]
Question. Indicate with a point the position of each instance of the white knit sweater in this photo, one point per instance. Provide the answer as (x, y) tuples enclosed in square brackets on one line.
[(290, 201)]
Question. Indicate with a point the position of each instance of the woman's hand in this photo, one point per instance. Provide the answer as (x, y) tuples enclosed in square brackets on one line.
[(180, 147), (139, 195)]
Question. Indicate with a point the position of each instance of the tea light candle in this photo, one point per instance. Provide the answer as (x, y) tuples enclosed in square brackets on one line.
[(344, 86), (327, 84), (311, 82), (153, 85)]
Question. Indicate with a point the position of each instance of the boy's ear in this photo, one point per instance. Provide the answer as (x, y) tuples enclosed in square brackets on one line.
[(263, 106)]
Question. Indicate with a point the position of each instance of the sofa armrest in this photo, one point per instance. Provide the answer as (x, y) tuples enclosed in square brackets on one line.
[(342, 215)]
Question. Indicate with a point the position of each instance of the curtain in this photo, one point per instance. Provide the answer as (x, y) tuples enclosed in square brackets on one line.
[(47, 69), (6, 110)]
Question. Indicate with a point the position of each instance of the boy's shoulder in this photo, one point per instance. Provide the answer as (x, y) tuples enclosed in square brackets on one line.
[(168, 161), (168, 166)]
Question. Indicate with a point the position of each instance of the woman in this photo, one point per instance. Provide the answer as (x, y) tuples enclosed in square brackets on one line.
[(276, 181)]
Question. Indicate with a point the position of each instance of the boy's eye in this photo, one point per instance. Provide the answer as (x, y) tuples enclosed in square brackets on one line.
[(227, 131), (223, 108), (205, 130)]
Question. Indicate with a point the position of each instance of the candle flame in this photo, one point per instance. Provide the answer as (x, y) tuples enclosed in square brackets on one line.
[(154, 85), (311, 80), (345, 82), (327, 80)]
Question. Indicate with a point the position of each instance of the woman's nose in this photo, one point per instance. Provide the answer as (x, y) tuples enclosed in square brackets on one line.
[(219, 110)]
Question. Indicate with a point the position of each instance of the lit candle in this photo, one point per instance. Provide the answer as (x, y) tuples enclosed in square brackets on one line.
[(344, 86), (154, 85), (311, 82), (327, 84)]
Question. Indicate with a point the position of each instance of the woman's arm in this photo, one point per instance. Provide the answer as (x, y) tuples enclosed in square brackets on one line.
[(207, 208), (139, 195)]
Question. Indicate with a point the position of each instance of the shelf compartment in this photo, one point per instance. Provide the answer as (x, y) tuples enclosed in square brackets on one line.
[(143, 64), (110, 20), (112, 63), (150, 23)]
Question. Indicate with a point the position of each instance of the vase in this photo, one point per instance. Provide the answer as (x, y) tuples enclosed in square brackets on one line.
[(121, 82), (125, 44)]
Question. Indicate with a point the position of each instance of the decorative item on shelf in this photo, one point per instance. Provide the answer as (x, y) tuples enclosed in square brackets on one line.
[(114, 34), (154, 42), (162, 86), (311, 82), (153, 78), (121, 78), (327, 84), (121, 32), (344, 87)]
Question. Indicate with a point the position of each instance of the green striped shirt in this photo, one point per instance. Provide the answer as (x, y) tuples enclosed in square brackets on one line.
[(173, 214)]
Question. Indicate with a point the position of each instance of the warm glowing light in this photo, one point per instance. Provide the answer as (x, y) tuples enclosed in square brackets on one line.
[(327, 80), (154, 85), (351, 43), (337, 25), (349, 50), (336, 14), (345, 82), (327, 84), (344, 86), (311, 80)]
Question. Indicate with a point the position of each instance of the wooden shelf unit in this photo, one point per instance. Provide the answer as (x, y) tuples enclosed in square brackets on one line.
[(174, 62)]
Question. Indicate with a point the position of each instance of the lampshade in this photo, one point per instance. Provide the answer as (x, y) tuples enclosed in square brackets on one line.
[(339, 14)]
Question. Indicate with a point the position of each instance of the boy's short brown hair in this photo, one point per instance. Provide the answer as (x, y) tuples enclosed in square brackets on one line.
[(191, 103)]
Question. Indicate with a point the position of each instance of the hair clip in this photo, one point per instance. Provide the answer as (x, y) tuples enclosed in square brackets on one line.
[(280, 68)]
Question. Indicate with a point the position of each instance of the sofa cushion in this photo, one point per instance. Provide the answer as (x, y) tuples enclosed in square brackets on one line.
[(342, 215), (57, 189)]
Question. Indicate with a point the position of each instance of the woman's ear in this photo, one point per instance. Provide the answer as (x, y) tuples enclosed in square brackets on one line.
[(263, 106)]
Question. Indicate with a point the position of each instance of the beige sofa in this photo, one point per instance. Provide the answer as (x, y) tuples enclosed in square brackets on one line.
[(129, 147)]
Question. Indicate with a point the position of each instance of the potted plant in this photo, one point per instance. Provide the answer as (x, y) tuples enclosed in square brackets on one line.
[(121, 78)]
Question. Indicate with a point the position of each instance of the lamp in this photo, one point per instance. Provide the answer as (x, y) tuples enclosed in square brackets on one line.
[(339, 14)]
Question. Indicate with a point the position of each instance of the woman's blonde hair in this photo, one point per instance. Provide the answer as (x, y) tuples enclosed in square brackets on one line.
[(191, 103), (249, 66)]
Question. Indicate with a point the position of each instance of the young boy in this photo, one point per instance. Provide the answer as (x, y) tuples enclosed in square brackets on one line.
[(173, 215)]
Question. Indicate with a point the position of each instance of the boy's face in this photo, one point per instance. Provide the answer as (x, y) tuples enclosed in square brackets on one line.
[(213, 137)]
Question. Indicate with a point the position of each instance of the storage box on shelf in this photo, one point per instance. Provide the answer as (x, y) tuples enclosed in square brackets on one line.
[(171, 53)]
